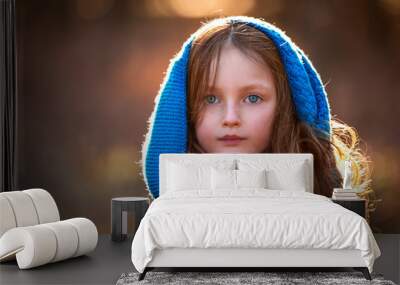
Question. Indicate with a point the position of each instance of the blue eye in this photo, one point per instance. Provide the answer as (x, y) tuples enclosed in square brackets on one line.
[(253, 98), (211, 99)]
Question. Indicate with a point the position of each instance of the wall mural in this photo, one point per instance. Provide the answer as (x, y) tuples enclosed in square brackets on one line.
[(89, 90)]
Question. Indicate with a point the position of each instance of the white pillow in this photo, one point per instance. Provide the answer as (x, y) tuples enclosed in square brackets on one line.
[(294, 180), (181, 177), (251, 178), (285, 174), (228, 179), (187, 174), (223, 179)]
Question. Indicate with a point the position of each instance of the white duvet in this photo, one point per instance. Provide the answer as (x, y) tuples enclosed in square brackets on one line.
[(251, 218)]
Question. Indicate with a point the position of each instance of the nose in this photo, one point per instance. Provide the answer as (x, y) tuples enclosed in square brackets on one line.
[(231, 116)]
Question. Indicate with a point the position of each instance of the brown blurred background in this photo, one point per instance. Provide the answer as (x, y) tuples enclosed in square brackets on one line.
[(89, 70)]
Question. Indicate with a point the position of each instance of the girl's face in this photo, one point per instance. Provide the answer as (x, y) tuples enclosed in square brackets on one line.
[(239, 109)]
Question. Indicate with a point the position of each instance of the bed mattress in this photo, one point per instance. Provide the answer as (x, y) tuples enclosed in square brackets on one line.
[(250, 219)]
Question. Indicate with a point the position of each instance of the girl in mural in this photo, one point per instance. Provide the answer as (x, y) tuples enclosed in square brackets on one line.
[(240, 85)]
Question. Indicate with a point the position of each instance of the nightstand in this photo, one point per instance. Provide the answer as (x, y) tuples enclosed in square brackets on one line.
[(120, 207), (357, 205)]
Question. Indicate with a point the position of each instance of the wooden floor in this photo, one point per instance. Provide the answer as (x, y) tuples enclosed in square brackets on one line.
[(111, 259), (389, 262), (102, 266)]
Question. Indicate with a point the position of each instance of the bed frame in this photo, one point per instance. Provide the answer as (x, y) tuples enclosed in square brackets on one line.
[(251, 258), (244, 259)]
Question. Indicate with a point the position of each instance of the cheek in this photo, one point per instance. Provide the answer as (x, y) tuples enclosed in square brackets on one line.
[(205, 125), (260, 122)]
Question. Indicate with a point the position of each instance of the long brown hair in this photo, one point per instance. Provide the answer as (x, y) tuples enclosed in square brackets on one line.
[(289, 135)]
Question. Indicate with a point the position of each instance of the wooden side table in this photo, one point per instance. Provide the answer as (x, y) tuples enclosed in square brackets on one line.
[(357, 205), (120, 207)]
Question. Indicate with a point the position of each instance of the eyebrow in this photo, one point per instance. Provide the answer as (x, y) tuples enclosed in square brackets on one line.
[(245, 87)]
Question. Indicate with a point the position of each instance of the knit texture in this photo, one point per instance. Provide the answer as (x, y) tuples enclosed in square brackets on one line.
[(168, 124)]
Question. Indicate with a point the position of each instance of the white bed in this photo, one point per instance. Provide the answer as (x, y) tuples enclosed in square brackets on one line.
[(281, 226)]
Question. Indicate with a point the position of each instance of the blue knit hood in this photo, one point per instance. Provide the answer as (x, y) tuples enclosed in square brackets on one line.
[(168, 123)]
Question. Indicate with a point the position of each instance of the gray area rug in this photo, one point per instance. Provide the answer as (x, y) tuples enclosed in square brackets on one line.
[(286, 278)]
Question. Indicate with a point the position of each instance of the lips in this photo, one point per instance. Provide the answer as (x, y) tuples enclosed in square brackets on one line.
[(231, 140), (231, 137)]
